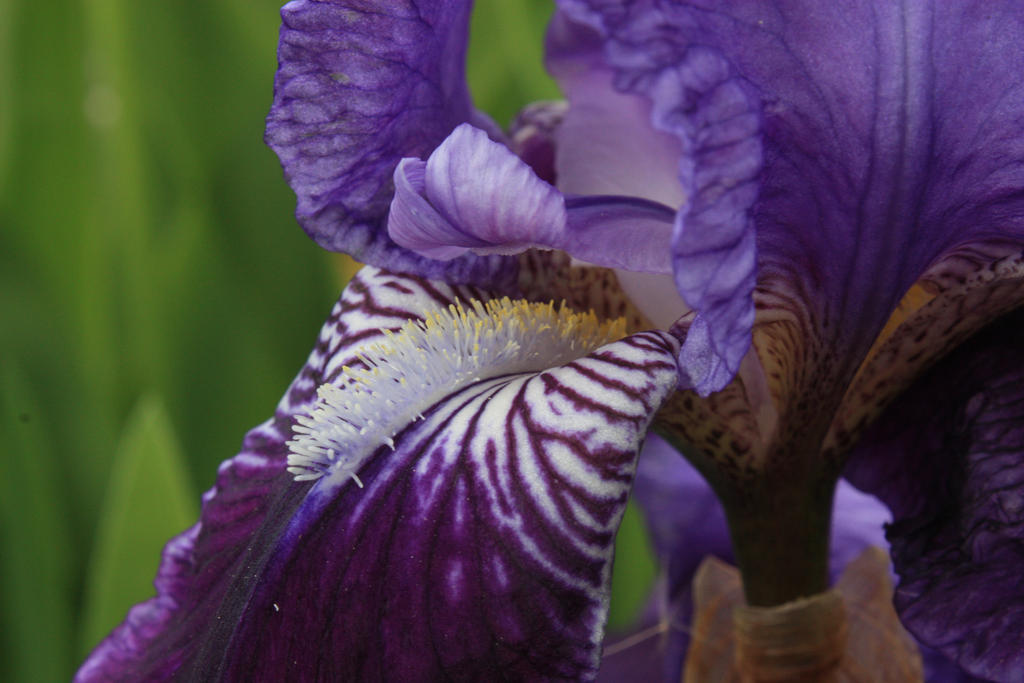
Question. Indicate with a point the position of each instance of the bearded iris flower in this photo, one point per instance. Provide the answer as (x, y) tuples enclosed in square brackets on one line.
[(816, 212)]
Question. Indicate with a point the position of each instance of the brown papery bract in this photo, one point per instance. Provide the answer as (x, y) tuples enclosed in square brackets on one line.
[(849, 634)]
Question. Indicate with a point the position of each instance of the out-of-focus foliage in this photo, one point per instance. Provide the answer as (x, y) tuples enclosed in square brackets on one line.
[(148, 249), (146, 502)]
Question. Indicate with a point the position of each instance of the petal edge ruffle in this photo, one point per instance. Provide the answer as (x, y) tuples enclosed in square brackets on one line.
[(697, 98)]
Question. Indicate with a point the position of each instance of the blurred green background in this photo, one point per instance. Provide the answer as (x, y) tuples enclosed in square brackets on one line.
[(156, 295)]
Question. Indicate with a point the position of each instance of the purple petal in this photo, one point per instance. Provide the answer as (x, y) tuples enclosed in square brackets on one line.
[(359, 86), (473, 194), (605, 144), (483, 197), (948, 459), (619, 232), (414, 224), (888, 134), (478, 546), (253, 492), (643, 89), (684, 517)]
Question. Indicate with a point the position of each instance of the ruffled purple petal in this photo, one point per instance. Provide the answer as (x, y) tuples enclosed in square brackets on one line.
[(948, 459), (474, 194), (254, 495), (360, 86), (863, 140), (605, 144), (648, 86)]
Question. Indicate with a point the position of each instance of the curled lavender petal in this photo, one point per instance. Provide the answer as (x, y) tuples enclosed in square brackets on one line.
[(475, 195)]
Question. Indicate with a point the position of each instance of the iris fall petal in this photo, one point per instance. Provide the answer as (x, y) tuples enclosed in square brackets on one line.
[(253, 494), (947, 458), (475, 540)]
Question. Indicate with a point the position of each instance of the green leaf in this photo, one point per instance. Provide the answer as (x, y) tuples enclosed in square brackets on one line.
[(148, 501), (505, 65), (6, 89), (35, 571), (634, 569)]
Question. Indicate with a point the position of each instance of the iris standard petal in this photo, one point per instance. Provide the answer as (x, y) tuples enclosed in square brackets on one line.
[(358, 87), (878, 155), (253, 495), (698, 122), (463, 532), (605, 144), (947, 459)]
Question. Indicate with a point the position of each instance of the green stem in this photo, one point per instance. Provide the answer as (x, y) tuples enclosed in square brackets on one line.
[(779, 522), (780, 534)]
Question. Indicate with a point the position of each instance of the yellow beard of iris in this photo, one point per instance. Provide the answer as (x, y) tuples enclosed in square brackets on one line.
[(424, 362)]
